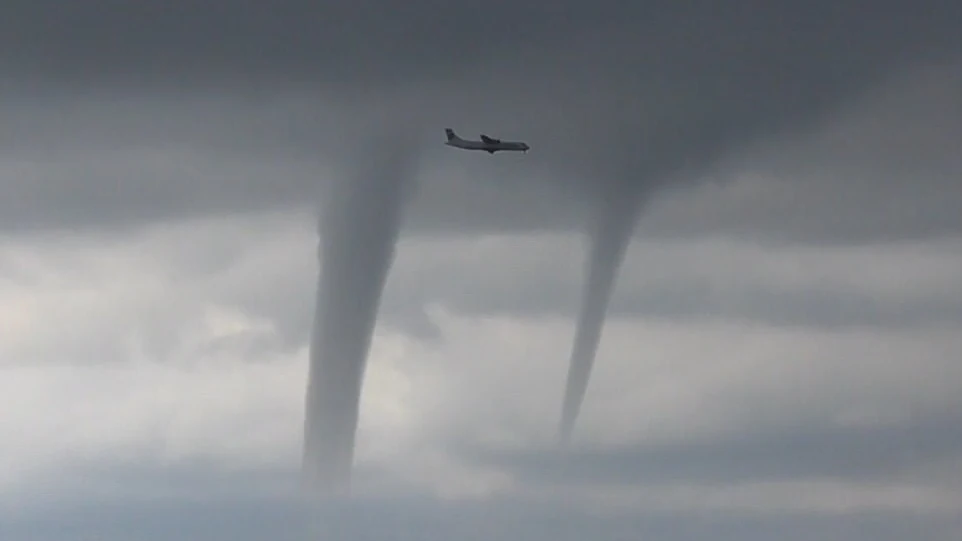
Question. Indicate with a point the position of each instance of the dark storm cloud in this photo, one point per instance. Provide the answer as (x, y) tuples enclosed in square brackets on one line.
[(616, 94), (886, 168), (250, 41), (115, 159), (376, 41)]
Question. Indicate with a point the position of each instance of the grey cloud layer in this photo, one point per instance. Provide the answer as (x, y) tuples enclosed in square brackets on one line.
[(262, 266), (231, 106), (887, 452), (368, 41), (256, 516), (895, 287), (244, 41)]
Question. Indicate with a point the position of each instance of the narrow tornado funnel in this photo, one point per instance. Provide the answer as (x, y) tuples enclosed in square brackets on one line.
[(359, 223), (609, 236)]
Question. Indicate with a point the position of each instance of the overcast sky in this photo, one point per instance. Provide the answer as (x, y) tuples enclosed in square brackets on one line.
[(783, 356)]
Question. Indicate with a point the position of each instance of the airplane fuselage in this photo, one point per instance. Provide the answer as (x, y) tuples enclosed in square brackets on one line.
[(486, 144)]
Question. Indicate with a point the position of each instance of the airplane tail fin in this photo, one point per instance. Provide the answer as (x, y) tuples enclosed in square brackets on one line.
[(450, 134)]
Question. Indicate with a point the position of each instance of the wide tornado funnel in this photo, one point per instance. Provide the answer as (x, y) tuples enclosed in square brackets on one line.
[(358, 227)]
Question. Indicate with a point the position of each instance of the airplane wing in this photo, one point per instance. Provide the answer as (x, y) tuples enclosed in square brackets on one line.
[(489, 140)]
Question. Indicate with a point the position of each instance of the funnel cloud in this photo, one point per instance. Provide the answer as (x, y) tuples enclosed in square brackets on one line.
[(359, 225), (614, 222)]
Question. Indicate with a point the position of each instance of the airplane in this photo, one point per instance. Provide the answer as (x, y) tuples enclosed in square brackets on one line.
[(487, 144)]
